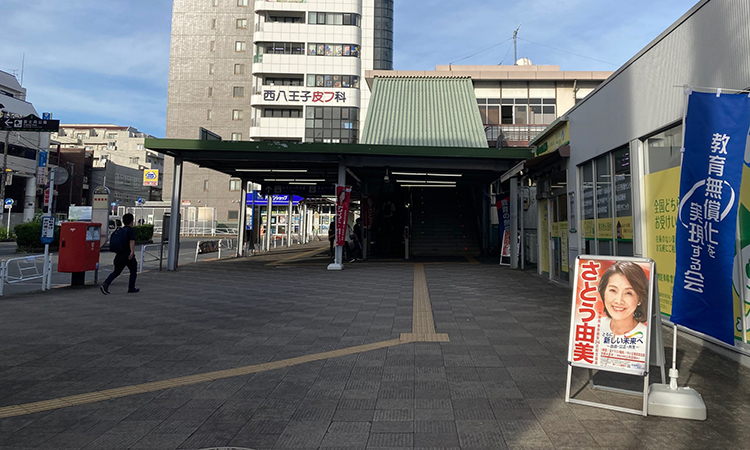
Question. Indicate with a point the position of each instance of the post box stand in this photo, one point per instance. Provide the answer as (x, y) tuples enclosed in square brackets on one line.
[(79, 250)]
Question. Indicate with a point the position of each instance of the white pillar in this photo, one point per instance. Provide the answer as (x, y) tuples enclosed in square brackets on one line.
[(29, 199), (174, 215), (289, 221), (268, 221), (339, 255)]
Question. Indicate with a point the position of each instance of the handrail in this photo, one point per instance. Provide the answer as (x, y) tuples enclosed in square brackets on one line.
[(145, 251), (27, 268)]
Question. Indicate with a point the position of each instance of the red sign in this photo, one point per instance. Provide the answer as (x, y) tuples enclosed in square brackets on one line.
[(342, 212), (367, 211), (611, 306)]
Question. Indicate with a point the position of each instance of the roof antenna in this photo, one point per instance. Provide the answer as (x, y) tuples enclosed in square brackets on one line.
[(515, 45), (23, 65)]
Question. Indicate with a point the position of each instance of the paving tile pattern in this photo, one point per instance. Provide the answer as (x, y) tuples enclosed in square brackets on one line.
[(498, 384)]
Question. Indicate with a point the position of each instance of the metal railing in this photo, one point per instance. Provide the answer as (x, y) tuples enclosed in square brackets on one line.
[(25, 268), (154, 252), (204, 247)]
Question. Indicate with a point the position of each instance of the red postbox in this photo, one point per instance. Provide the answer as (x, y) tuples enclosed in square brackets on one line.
[(79, 249)]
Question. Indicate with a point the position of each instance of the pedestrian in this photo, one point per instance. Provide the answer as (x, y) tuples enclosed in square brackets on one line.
[(124, 255), (357, 251)]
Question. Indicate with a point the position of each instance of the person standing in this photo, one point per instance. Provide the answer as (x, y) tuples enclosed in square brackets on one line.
[(124, 256), (357, 252)]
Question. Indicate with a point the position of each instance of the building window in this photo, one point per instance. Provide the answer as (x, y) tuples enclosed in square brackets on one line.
[(209, 114), (282, 112), (80, 135), (210, 91), (111, 135), (241, 24), (235, 184), (214, 2), (239, 69), (664, 150), (210, 68), (240, 46), (134, 160), (213, 24), (238, 92), (331, 124), (279, 81), (280, 48), (233, 215), (139, 147), (541, 111), (205, 185), (112, 144), (236, 114), (322, 18), (333, 50), (236, 136), (212, 46), (241, 2), (338, 81)]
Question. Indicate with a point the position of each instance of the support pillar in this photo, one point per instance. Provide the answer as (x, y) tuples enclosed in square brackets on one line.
[(339, 250), (289, 221), (269, 210), (242, 222), (174, 215), (29, 199), (514, 223)]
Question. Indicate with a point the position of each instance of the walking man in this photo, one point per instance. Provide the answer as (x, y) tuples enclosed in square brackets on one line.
[(124, 247)]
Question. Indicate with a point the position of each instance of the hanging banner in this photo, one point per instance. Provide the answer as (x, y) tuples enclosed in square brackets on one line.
[(612, 300), (715, 136), (342, 212), (741, 280)]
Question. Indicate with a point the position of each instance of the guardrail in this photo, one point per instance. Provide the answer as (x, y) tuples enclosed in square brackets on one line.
[(203, 247), (25, 268), (150, 251)]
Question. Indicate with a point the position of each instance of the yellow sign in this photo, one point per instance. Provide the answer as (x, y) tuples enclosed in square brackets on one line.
[(555, 229), (604, 228), (560, 137), (588, 226), (545, 235), (662, 200), (624, 228), (563, 246), (150, 177)]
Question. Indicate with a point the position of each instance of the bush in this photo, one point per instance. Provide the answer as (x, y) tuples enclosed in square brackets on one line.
[(5, 236), (29, 235), (143, 233)]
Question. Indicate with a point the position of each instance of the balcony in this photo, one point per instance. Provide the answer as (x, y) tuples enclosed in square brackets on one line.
[(280, 5), (277, 128), (511, 135)]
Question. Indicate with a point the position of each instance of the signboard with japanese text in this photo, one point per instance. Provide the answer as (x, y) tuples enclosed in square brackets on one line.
[(259, 199), (342, 212), (151, 177), (612, 304), (564, 246), (716, 130), (28, 123), (741, 280), (544, 241), (307, 96), (48, 230)]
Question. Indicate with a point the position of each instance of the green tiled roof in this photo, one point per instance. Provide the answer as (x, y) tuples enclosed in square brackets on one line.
[(424, 111)]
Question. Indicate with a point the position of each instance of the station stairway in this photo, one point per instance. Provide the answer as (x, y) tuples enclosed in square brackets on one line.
[(444, 223)]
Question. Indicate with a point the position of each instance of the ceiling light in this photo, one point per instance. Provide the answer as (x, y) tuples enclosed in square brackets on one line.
[(272, 170), (426, 182), (444, 175), (302, 180), (300, 183), (410, 174), (429, 185)]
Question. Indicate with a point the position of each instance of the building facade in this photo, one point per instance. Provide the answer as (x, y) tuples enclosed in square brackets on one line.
[(614, 189), (270, 71), (117, 151), (23, 152)]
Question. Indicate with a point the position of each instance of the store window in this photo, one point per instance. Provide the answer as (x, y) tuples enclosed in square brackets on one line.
[(603, 205), (623, 234), (588, 216), (664, 150)]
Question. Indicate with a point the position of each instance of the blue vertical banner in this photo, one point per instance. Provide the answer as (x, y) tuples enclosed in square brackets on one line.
[(716, 129)]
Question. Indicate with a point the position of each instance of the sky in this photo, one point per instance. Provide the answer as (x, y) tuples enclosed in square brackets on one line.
[(94, 61)]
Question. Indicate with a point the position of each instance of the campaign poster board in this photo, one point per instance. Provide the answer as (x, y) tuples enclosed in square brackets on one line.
[(611, 313), (343, 194)]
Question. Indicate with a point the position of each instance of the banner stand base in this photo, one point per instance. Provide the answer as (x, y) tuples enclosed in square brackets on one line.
[(334, 266), (680, 403)]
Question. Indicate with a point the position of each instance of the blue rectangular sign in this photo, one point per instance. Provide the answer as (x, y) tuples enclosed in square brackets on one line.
[(278, 200), (716, 131), (42, 158)]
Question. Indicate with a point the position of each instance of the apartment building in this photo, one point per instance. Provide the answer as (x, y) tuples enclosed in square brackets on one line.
[(270, 71)]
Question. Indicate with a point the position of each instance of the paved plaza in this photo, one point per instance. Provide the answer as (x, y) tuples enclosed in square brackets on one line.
[(276, 352)]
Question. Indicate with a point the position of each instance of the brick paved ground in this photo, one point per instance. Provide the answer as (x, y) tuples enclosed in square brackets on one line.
[(499, 383)]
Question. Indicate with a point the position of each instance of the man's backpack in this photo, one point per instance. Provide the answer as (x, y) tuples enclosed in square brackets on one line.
[(118, 241)]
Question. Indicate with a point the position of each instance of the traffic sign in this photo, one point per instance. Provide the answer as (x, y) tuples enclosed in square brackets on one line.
[(46, 116), (42, 159), (8, 203), (139, 201), (29, 123), (48, 230)]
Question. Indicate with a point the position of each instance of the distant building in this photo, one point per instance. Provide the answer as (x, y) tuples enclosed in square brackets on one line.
[(270, 71), (23, 150), (516, 102), (116, 148)]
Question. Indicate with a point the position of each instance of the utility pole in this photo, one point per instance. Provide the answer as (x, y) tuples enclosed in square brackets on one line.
[(515, 46), (5, 170)]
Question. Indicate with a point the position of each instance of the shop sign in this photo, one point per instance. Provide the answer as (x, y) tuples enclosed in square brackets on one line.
[(560, 137)]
